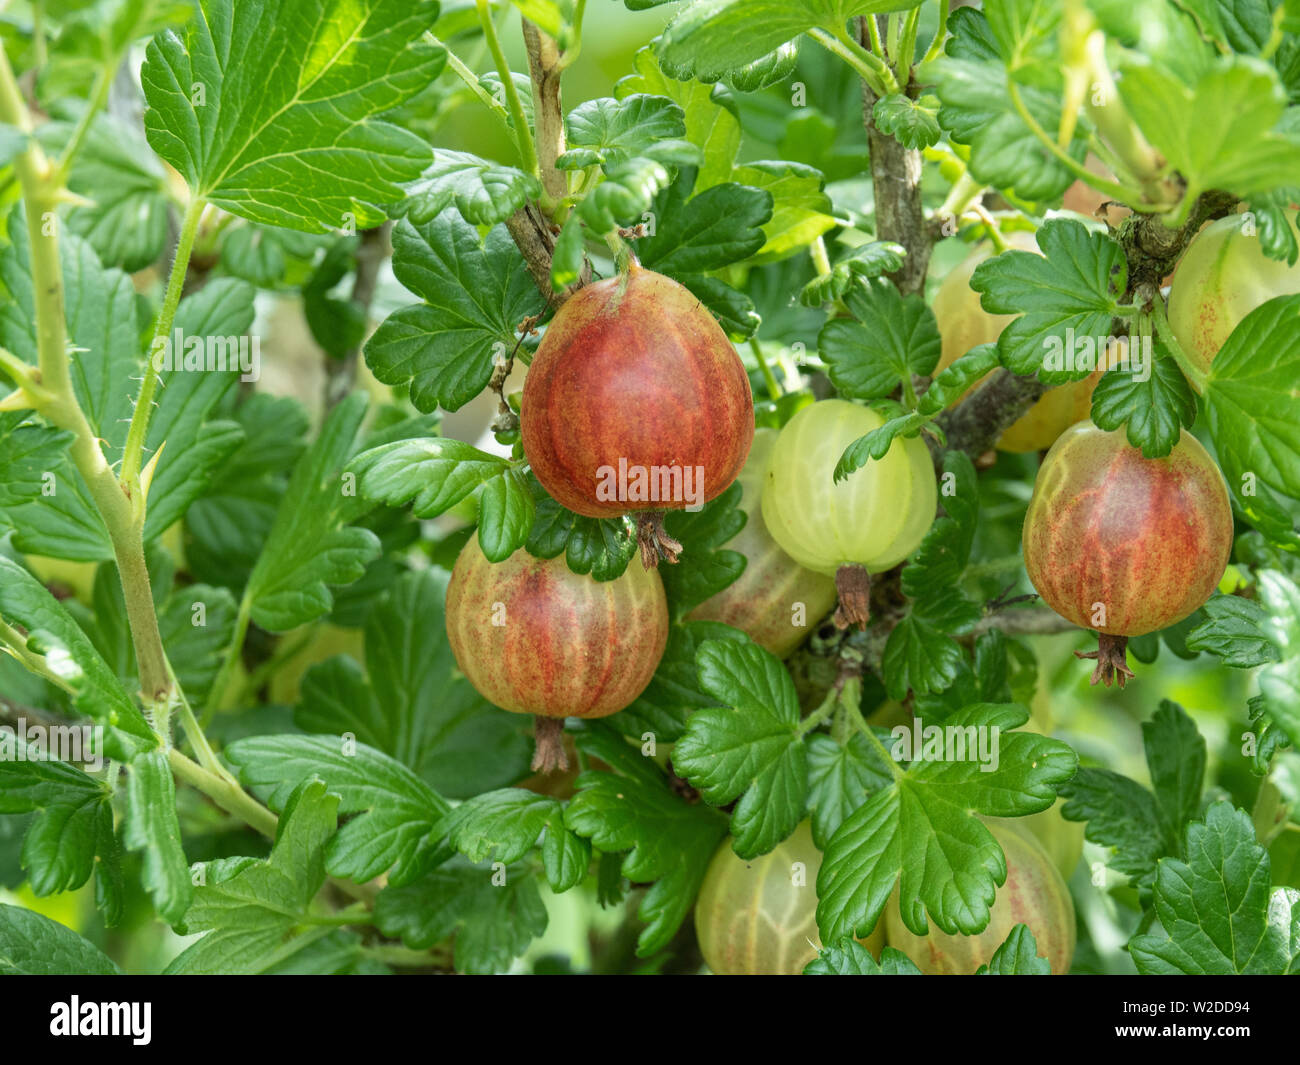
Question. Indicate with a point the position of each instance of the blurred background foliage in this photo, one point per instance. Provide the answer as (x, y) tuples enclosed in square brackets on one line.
[(823, 130)]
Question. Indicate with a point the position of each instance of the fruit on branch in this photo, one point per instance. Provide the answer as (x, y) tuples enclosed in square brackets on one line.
[(759, 917), (964, 324), (636, 402), (867, 523), (1033, 894), (534, 637), (1223, 276), (1123, 544), (775, 601)]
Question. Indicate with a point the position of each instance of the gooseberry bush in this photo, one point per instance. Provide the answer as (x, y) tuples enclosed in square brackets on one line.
[(584, 486)]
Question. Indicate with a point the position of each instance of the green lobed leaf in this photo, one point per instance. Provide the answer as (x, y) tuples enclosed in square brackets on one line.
[(750, 747), (975, 83), (706, 230), (396, 818), (840, 779), (602, 547), (253, 909), (433, 474), (310, 545), (483, 192), (1155, 410), (493, 914), (151, 826), (1217, 909), (713, 38), (710, 126), (1218, 133), (1122, 815), (913, 123), (668, 843), (73, 822), (801, 211), (288, 129), (1066, 298), (850, 958), (1251, 410), (1017, 956), (32, 944), (923, 827), (66, 651), (228, 526), (872, 259), (474, 296), (919, 657), (702, 535), (675, 689), (604, 129), (890, 338), (505, 825), (1234, 630)]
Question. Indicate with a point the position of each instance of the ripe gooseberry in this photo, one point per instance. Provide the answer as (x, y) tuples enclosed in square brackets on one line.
[(636, 402), (758, 917), (867, 523), (1223, 276), (764, 601), (533, 637), (1033, 894), (1124, 544)]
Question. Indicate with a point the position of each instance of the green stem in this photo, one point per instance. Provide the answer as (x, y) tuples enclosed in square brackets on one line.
[(97, 102), (774, 389), (940, 34), (284, 651), (132, 455), (15, 644), (907, 47), (352, 915), (206, 755), (909, 392), (523, 133), (471, 82), (1264, 815), (621, 250), (403, 957), (1276, 35), (991, 225), (217, 693), (873, 35), (123, 517), (855, 712), (817, 249), (870, 68), (964, 192), (570, 54), (1125, 194), (38, 36), (1160, 320), (229, 796), (819, 715), (1085, 45)]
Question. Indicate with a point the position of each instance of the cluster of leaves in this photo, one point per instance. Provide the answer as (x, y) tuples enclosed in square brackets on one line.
[(394, 833)]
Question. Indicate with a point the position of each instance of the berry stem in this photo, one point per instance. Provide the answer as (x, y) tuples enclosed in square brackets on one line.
[(1111, 657), (853, 583), (549, 754), (654, 540)]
